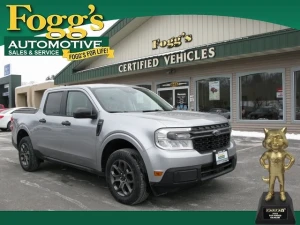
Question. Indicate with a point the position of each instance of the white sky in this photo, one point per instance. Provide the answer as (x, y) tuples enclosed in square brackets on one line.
[(37, 68)]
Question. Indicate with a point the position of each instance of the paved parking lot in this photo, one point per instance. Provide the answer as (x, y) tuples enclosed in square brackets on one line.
[(56, 187)]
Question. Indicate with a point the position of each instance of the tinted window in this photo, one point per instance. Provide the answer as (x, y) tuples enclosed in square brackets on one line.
[(77, 100), (213, 94), (53, 102), (261, 96)]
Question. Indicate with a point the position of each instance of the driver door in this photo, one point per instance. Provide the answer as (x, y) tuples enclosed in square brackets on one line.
[(79, 146)]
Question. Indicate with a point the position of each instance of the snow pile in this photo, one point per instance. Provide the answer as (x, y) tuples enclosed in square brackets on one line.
[(261, 135)]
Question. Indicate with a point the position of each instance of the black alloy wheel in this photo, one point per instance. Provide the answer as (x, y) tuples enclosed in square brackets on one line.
[(122, 178), (24, 155), (126, 177), (28, 160)]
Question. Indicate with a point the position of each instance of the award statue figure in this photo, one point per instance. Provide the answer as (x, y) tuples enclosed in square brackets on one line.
[(275, 208)]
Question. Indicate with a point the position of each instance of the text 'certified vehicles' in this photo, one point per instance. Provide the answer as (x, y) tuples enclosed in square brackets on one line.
[(127, 133)]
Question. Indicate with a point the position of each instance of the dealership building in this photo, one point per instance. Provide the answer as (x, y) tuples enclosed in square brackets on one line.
[(8, 84), (246, 70), (30, 95)]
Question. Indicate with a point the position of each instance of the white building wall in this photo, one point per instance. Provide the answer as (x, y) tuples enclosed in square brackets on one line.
[(205, 30)]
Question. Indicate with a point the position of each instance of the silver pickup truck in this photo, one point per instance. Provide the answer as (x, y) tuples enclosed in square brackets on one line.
[(129, 134)]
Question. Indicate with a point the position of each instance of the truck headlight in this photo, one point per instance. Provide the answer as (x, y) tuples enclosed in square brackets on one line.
[(173, 139)]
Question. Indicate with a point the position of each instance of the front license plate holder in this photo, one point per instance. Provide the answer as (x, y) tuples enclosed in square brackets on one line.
[(220, 157)]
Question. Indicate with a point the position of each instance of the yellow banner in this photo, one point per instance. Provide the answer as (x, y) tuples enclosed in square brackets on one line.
[(88, 53)]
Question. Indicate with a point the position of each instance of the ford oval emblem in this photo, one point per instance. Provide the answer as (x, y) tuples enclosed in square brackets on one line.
[(216, 132)]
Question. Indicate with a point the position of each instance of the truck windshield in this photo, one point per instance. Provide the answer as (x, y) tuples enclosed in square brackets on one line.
[(130, 99)]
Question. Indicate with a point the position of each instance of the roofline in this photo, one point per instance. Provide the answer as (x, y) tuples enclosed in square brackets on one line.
[(278, 40), (90, 85), (114, 29)]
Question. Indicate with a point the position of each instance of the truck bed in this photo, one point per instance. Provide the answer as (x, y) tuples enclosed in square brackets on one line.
[(26, 111)]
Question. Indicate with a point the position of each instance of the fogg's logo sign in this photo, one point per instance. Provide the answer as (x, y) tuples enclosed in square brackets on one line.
[(172, 42), (72, 43), (53, 23)]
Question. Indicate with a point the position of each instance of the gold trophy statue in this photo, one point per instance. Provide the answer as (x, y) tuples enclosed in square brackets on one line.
[(274, 207)]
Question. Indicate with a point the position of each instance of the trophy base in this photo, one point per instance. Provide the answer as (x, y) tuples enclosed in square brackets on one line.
[(275, 211)]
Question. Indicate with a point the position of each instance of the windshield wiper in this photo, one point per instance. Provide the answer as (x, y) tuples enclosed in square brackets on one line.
[(154, 110), (118, 111)]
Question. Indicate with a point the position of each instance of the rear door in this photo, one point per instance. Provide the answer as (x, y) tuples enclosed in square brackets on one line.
[(79, 135), (47, 131)]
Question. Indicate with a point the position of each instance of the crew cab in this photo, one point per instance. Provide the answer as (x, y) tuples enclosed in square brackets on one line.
[(128, 134)]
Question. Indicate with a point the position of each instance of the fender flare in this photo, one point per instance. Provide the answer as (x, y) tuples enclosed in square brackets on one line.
[(126, 137), (22, 127)]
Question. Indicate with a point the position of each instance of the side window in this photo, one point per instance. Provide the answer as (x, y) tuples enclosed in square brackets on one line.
[(53, 102), (77, 99)]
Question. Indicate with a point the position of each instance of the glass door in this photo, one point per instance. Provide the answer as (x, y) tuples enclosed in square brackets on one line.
[(181, 99), (175, 93), (167, 95)]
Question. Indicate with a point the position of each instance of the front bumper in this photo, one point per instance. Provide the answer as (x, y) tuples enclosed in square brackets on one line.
[(163, 160), (177, 178)]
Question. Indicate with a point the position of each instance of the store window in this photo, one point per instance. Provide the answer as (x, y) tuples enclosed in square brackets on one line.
[(148, 86), (261, 96), (297, 95), (213, 96)]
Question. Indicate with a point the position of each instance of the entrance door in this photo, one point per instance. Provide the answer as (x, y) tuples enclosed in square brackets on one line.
[(181, 99), (167, 95), (175, 93)]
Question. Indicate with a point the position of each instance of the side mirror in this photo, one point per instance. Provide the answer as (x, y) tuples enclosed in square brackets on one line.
[(84, 113)]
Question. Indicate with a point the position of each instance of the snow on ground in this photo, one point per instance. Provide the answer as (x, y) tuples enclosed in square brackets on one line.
[(261, 135)]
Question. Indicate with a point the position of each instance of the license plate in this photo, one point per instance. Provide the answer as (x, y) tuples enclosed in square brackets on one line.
[(221, 157)]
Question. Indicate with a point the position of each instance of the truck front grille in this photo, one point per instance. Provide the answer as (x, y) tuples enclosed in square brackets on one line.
[(209, 138)]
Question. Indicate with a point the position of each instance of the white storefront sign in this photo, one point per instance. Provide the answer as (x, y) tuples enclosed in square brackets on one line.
[(170, 59), (279, 93)]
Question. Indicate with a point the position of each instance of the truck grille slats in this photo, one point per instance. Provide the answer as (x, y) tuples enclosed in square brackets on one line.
[(209, 138)]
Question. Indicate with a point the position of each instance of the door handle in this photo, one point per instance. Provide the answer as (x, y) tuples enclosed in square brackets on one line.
[(42, 121), (66, 123)]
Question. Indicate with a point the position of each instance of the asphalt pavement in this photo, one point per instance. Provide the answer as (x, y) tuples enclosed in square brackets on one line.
[(57, 187)]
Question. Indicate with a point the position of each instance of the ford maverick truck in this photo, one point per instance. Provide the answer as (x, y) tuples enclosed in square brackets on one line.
[(128, 134)]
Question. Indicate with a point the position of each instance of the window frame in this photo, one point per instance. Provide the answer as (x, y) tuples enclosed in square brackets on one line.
[(198, 78), (183, 79), (150, 84), (238, 97), (65, 100), (61, 103), (293, 95)]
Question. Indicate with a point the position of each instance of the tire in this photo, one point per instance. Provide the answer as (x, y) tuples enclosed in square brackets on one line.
[(8, 126), (136, 179), (28, 160)]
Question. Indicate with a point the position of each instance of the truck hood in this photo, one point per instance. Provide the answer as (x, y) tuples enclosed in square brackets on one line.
[(178, 118)]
